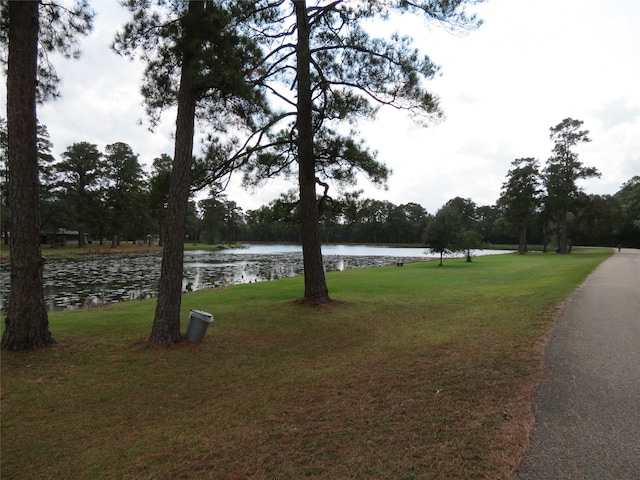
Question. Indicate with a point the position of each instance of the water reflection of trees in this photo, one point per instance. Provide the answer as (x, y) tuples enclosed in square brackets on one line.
[(90, 281)]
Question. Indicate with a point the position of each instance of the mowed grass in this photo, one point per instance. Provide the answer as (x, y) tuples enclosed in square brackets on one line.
[(412, 372)]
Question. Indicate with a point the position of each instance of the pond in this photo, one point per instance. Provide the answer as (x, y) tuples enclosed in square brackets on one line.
[(92, 280)]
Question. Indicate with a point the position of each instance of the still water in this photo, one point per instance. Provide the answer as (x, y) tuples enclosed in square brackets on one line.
[(93, 280)]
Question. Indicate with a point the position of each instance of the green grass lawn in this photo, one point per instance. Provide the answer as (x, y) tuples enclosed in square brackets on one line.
[(412, 372)]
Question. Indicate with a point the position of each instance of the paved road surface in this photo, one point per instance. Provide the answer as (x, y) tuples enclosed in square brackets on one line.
[(587, 410)]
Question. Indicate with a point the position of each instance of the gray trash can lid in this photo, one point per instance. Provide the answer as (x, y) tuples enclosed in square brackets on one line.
[(205, 316)]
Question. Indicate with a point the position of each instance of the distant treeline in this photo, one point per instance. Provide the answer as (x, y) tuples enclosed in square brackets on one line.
[(601, 220), (109, 196)]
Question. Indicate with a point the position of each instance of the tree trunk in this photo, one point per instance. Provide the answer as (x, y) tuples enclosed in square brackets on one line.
[(161, 227), (564, 232), (166, 323), (315, 285), (27, 323), (522, 240)]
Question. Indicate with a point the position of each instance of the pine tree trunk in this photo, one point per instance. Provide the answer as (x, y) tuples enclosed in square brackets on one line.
[(564, 232), (166, 323), (315, 285), (27, 324), (522, 240)]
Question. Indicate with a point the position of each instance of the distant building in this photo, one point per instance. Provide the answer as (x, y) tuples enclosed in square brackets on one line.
[(63, 238)]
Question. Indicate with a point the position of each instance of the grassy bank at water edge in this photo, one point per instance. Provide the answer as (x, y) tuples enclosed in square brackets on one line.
[(107, 249), (412, 372)]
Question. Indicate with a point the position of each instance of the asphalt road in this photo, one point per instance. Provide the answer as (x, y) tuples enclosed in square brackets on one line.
[(587, 409)]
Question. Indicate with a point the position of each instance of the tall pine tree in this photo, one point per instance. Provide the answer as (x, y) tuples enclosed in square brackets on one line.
[(326, 68), (198, 60), (561, 173), (30, 77)]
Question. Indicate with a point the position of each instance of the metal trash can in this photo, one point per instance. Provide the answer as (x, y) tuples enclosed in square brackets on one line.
[(198, 323)]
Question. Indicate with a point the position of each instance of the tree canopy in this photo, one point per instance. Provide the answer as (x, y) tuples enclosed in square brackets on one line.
[(60, 26), (79, 177), (199, 59), (326, 69), (521, 197), (561, 173)]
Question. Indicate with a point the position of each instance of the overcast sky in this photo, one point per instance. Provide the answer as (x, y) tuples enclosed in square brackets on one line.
[(530, 65)]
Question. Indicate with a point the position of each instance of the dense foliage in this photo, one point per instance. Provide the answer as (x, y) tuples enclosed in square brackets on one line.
[(129, 203)]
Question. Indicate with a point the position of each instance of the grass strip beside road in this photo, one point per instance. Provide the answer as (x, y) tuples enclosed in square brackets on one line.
[(412, 372)]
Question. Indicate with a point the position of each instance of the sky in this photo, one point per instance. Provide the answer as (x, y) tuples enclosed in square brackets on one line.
[(502, 87)]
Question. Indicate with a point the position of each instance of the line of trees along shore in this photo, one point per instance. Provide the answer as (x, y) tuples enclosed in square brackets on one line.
[(110, 197)]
